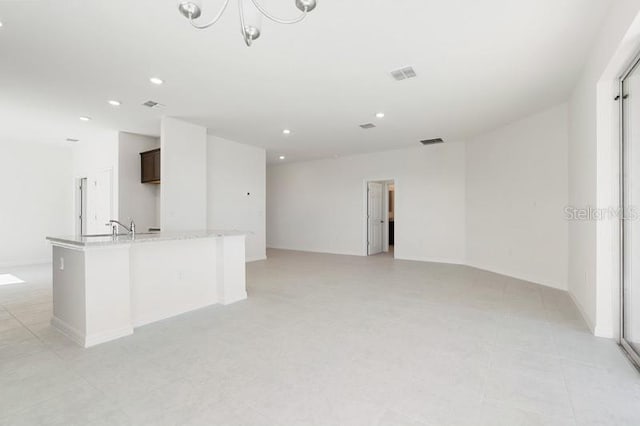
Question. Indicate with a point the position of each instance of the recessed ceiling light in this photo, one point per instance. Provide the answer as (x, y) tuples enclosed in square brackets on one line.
[(380, 115), (0, 23), (114, 103), (156, 80), (282, 157), (83, 118), (286, 131)]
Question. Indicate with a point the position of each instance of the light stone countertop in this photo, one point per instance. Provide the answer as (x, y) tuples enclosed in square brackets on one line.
[(142, 237)]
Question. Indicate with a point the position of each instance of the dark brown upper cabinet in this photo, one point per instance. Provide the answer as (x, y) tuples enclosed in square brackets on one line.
[(150, 166)]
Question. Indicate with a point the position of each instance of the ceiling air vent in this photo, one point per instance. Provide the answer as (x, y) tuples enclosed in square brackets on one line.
[(403, 73), (73, 140), (368, 126), (153, 104), (431, 141)]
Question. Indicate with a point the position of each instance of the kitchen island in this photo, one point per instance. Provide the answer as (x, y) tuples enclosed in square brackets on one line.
[(106, 286)]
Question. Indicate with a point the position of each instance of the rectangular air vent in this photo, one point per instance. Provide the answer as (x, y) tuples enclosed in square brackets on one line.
[(152, 104), (431, 141), (368, 126), (403, 73)]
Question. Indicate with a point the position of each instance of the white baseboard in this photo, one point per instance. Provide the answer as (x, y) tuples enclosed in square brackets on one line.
[(319, 251), (72, 333), (86, 341), (516, 276), (346, 253), (431, 260), (586, 318), (107, 336), (242, 296), (606, 333)]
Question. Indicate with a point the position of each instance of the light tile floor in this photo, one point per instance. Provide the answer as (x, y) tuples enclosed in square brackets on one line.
[(325, 340)]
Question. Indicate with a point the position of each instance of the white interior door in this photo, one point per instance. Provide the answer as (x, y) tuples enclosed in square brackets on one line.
[(99, 203), (375, 220)]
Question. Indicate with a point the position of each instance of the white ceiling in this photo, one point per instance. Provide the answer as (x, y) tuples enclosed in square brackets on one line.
[(480, 64)]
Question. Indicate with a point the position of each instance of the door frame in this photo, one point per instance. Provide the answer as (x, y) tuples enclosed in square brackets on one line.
[(81, 184), (365, 211), (113, 194), (631, 353)]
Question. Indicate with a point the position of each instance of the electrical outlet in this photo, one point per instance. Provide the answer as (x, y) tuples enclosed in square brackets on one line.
[(62, 263)]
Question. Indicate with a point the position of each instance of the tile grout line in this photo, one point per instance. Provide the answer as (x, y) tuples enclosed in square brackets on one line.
[(50, 349), (564, 377), (25, 326)]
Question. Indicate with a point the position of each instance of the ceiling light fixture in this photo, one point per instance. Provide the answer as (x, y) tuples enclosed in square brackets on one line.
[(114, 103), (282, 157), (157, 81), (250, 18), (83, 118), (286, 131), (380, 115)]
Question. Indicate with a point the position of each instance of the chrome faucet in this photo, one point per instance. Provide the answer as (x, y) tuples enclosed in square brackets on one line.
[(131, 229)]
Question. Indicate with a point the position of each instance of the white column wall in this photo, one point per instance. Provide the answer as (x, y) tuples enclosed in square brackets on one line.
[(236, 191), (183, 192)]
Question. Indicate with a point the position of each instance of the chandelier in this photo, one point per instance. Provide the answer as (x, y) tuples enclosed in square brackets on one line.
[(250, 18)]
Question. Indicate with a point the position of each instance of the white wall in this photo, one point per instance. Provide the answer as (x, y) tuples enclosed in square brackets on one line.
[(320, 205), (236, 191), (516, 195), (183, 192), (137, 201), (497, 202), (36, 200), (96, 158), (593, 173), (98, 152)]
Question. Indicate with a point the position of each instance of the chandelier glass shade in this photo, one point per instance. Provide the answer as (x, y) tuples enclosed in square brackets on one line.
[(249, 11)]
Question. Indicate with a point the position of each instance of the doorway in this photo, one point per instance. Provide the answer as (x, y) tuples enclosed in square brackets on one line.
[(629, 224), (380, 217), (94, 203), (81, 206)]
